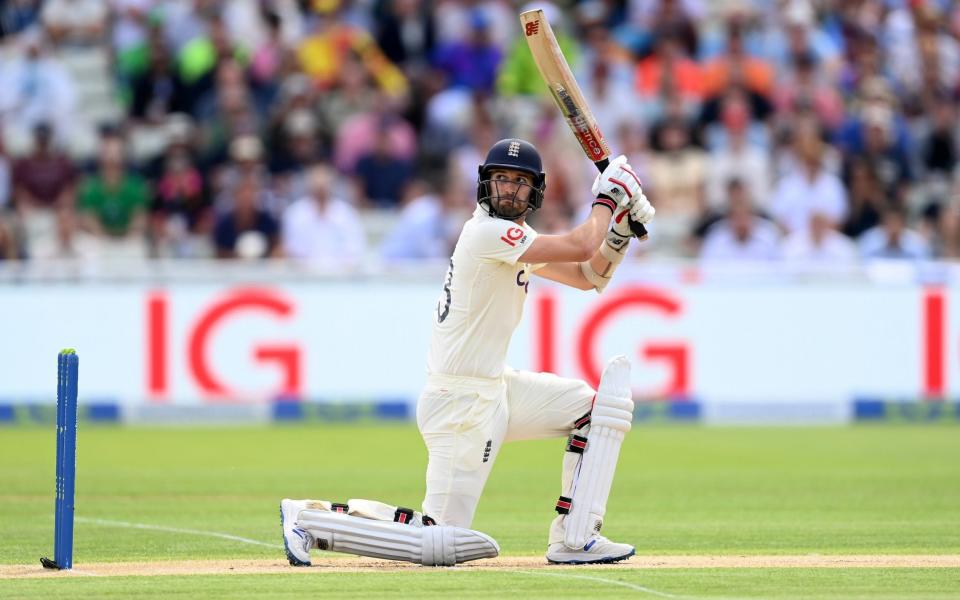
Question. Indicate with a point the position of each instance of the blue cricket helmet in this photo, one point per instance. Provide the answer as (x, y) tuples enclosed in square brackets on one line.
[(511, 153)]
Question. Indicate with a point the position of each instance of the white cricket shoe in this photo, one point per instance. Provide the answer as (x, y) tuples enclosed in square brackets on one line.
[(597, 550), (296, 541)]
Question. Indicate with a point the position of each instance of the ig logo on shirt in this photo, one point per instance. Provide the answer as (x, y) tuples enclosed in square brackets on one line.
[(514, 235)]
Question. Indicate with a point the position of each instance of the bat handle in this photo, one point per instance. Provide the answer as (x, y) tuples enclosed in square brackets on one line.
[(637, 228)]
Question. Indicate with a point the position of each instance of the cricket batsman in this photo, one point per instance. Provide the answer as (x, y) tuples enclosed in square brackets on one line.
[(473, 402)]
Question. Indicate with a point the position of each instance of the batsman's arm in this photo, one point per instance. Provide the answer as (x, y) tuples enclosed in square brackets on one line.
[(571, 273), (578, 245)]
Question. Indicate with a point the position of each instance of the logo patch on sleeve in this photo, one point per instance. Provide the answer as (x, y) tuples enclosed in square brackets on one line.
[(514, 236)]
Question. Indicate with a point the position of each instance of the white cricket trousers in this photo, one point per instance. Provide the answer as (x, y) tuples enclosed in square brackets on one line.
[(465, 420)]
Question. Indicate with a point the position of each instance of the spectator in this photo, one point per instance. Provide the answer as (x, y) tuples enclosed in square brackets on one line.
[(406, 34), (867, 198), (225, 112), (158, 92), (923, 58), (939, 148), (797, 34), (381, 177), (246, 165), (819, 243), (184, 22), (131, 29), (472, 63), (200, 60), (946, 240), (358, 135), (35, 89), (742, 235), (806, 90), (865, 62), (874, 99), (551, 218), (296, 145), (463, 161), (655, 16), (113, 203), (75, 22), (518, 74), (422, 230), (800, 131), (271, 59), (738, 156), (6, 179), (320, 227), (737, 67), (807, 190), (44, 187), (181, 214), (353, 97), (246, 230), (298, 148), (677, 177), (17, 16), (252, 21), (8, 243), (605, 76), (324, 52), (669, 66), (227, 109), (892, 164), (892, 238)]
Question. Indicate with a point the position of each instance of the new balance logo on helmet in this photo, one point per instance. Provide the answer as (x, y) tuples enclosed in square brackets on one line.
[(514, 149)]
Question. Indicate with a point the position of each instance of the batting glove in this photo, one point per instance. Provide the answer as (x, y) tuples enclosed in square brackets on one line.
[(619, 183)]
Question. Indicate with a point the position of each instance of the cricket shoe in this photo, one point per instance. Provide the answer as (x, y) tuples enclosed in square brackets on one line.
[(597, 550), (296, 541)]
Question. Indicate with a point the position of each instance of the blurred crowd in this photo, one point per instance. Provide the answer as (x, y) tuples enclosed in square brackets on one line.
[(336, 131)]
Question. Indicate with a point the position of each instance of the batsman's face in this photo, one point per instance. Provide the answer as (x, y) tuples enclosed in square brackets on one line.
[(511, 191)]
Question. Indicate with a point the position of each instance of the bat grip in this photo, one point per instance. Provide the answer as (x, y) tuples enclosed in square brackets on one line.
[(637, 228)]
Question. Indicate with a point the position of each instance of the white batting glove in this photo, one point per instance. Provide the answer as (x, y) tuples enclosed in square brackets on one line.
[(642, 211), (618, 182), (620, 233)]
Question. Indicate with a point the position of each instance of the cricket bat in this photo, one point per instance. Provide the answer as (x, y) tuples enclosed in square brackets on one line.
[(566, 93)]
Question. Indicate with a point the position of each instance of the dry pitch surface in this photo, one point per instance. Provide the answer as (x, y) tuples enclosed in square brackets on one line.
[(507, 563)]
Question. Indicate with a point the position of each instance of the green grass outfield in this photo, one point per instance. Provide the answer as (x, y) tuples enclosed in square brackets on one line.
[(680, 490)]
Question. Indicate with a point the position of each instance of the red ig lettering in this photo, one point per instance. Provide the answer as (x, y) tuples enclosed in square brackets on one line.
[(286, 356), (675, 355)]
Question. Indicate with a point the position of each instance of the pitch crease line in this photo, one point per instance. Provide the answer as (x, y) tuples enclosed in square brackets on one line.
[(216, 534), (632, 586)]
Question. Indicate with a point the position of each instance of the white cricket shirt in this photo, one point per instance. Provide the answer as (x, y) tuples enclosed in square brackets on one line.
[(482, 298)]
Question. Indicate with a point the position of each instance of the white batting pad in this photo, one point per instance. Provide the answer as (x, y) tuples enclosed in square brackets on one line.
[(433, 546), (609, 422)]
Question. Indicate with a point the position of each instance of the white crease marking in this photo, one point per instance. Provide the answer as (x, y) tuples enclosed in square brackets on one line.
[(216, 534), (632, 586)]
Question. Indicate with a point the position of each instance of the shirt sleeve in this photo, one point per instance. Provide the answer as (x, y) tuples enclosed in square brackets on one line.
[(500, 240)]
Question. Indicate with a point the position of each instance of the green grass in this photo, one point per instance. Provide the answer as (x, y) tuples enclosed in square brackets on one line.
[(679, 490), (686, 584)]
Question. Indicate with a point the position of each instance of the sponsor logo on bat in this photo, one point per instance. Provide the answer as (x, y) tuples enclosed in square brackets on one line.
[(591, 142), (533, 28)]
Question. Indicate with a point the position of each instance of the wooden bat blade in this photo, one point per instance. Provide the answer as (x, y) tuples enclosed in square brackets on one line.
[(566, 93), (563, 86)]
